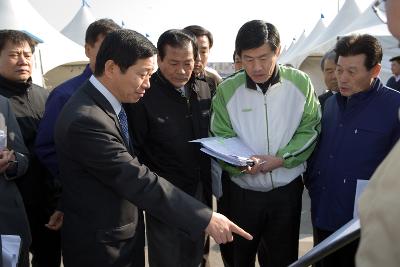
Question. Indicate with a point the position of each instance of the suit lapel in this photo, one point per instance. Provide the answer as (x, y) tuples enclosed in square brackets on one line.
[(105, 105)]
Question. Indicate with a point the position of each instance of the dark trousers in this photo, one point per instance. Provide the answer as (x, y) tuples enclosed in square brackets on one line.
[(343, 257), (272, 218), (168, 246), (206, 252), (223, 207), (46, 243)]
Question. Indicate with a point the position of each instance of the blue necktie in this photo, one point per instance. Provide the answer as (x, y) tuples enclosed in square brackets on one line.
[(123, 122)]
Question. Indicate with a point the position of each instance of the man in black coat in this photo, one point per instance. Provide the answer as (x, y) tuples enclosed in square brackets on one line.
[(39, 191), (174, 111), (13, 164)]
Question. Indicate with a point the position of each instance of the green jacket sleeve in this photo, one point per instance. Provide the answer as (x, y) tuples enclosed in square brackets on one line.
[(221, 125), (303, 142)]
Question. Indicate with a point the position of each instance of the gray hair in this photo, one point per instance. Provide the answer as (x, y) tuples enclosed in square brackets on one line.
[(331, 55)]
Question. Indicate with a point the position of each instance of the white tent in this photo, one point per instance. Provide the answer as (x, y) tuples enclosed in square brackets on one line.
[(55, 50), (76, 28), (346, 15), (284, 54), (295, 47), (345, 23), (318, 29), (326, 39)]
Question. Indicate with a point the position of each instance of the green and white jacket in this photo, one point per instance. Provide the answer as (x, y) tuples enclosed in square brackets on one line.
[(284, 122)]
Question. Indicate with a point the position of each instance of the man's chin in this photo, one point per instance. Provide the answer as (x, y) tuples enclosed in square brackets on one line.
[(22, 79), (345, 92), (197, 71)]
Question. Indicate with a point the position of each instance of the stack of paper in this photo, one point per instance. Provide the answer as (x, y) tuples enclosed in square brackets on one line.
[(231, 150), (10, 246)]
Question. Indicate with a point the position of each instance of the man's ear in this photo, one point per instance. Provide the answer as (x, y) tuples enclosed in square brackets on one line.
[(376, 70), (110, 68), (278, 51), (158, 60), (87, 50)]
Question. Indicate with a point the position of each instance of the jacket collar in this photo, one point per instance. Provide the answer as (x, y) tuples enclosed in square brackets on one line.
[(169, 88), (375, 87), (12, 88), (87, 72), (274, 79)]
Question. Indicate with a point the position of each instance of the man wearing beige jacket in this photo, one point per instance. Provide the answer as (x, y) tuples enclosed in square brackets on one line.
[(378, 207)]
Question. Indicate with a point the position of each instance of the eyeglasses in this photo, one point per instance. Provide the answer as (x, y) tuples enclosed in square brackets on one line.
[(379, 8)]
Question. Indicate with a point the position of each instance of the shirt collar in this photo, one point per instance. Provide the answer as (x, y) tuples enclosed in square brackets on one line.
[(275, 78), (107, 94)]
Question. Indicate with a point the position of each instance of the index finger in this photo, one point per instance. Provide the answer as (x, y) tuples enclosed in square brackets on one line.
[(237, 230)]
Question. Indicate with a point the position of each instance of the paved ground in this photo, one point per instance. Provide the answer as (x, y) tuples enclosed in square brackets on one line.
[(305, 238)]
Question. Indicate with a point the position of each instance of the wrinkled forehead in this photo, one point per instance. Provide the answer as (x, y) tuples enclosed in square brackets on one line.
[(11, 45), (351, 60)]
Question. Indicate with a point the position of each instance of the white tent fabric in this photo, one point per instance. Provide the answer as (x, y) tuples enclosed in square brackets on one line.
[(348, 21), (283, 56), (296, 46), (318, 29), (323, 43), (367, 19), (345, 17), (55, 50), (76, 28), (283, 52)]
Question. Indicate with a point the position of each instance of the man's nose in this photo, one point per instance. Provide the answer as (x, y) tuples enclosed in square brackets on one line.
[(257, 65), (22, 60), (146, 83)]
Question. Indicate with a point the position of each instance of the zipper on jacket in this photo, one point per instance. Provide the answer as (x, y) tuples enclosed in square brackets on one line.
[(29, 105), (268, 149)]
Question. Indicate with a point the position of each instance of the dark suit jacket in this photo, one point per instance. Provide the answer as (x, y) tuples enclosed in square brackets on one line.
[(322, 98), (104, 185), (13, 220)]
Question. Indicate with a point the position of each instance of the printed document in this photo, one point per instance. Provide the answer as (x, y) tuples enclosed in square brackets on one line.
[(10, 246), (231, 150)]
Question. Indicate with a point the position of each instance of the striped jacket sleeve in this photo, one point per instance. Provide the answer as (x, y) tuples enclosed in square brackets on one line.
[(221, 124), (303, 142)]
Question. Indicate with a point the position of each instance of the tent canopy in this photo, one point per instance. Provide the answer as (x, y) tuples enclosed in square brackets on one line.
[(76, 28), (55, 50)]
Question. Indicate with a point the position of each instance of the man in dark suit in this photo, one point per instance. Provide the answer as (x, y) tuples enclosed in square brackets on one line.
[(104, 185), (13, 164), (328, 66)]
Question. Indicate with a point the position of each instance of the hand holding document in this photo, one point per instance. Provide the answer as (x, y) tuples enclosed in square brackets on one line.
[(231, 150)]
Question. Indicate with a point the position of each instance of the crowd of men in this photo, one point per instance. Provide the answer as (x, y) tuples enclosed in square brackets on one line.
[(106, 154)]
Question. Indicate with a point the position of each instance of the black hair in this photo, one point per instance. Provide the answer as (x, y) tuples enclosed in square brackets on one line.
[(177, 39), (124, 47), (200, 31), (397, 59), (15, 37), (99, 27), (254, 34), (360, 44)]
